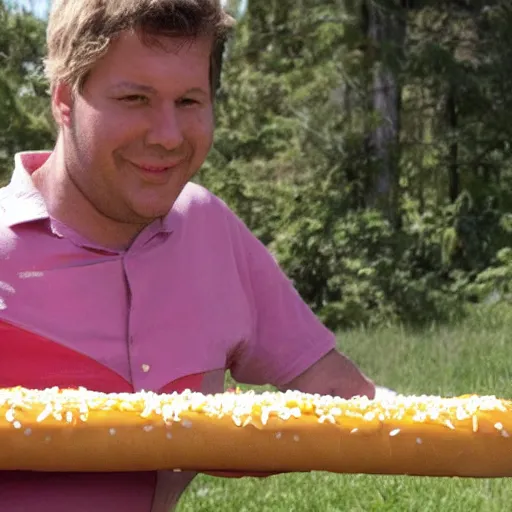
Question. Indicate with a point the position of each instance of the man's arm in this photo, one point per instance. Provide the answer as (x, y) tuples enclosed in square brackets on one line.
[(335, 375)]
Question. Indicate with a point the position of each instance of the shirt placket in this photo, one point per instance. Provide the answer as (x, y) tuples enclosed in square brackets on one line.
[(140, 364)]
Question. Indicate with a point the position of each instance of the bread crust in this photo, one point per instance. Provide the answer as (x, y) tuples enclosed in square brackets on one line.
[(80, 430)]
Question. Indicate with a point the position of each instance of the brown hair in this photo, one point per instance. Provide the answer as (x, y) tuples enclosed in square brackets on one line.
[(80, 32)]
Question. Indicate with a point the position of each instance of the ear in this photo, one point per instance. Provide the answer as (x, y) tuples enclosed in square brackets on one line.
[(62, 104)]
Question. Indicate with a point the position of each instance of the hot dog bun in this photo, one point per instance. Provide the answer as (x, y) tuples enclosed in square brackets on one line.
[(80, 430)]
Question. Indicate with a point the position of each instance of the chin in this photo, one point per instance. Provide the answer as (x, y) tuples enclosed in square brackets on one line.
[(152, 211)]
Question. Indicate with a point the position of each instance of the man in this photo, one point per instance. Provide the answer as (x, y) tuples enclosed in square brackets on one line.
[(117, 273)]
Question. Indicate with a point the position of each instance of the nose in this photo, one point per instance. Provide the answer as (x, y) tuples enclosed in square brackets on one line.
[(165, 129)]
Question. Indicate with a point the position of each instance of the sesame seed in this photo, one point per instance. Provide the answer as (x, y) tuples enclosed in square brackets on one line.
[(252, 408), (146, 368), (47, 411), (449, 424)]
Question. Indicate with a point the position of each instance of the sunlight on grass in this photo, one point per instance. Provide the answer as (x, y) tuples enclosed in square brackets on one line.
[(472, 357)]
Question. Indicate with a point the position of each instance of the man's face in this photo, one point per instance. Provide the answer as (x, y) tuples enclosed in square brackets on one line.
[(142, 126)]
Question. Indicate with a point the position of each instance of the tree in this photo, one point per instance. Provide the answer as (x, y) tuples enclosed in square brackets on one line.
[(25, 120), (365, 142)]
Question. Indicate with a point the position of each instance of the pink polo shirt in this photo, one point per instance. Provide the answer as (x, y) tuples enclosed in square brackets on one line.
[(195, 295)]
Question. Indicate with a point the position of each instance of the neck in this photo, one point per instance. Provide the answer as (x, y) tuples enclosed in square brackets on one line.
[(66, 203)]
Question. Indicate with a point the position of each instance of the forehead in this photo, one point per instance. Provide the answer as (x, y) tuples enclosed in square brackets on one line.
[(154, 59)]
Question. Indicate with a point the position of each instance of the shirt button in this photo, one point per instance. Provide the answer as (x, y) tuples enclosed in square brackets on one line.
[(146, 368)]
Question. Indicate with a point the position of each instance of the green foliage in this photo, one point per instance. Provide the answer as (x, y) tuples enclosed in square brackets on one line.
[(494, 283), (379, 208), (25, 121), (472, 356), (313, 176)]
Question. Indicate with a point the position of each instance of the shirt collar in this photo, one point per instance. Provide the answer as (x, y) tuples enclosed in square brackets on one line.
[(21, 202)]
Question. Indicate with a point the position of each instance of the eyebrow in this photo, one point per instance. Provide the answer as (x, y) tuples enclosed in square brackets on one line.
[(133, 86)]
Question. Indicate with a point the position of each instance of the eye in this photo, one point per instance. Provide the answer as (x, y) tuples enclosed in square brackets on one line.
[(135, 99), (187, 102)]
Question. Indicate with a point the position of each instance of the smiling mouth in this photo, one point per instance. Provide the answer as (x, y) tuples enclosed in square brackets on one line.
[(155, 169)]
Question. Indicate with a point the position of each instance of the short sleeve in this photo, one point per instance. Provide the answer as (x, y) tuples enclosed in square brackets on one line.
[(287, 337)]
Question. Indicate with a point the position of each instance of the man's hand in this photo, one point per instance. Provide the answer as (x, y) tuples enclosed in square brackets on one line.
[(333, 375)]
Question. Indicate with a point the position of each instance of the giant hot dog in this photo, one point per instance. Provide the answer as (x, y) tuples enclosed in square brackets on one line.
[(81, 430)]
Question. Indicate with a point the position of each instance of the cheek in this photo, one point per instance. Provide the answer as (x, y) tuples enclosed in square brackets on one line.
[(104, 131), (203, 126), (91, 131)]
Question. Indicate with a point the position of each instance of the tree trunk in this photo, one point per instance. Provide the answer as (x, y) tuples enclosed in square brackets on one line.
[(386, 35), (453, 165)]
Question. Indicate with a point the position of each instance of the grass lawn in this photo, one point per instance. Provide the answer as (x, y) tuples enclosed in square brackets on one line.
[(472, 357)]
